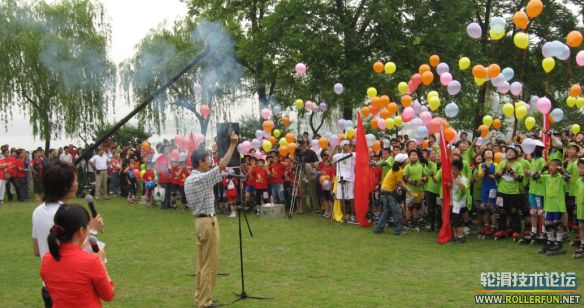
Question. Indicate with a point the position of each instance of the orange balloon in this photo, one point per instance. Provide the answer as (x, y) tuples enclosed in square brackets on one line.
[(496, 124), (376, 146), (286, 121), (323, 142), (449, 134), (424, 68), (534, 8), (292, 148), (498, 157), (406, 101), (268, 126), (520, 20), (385, 100), (323, 178), (283, 150), (493, 71), (425, 143), (290, 138), (427, 78), (484, 130), (445, 123), (551, 119), (272, 139), (373, 123), (479, 71), (384, 113), (434, 60), (378, 67), (365, 111), (342, 136), (575, 90), (574, 39), (377, 102), (392, 108)]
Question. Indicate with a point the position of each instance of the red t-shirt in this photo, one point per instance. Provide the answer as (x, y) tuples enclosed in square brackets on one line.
[(148, 176), (37, 165), (250, 180), (330, 171), (260, 178), (79, 279), (175, 175), (276, 173), (73, 154), (19, 163), (161, 165), (12, 169), (231, 186), (375, 177)]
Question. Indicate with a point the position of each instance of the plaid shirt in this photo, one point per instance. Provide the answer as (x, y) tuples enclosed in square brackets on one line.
[(199, 191)]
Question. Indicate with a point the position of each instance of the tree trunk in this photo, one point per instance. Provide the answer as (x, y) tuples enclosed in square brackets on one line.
[(47, 132)]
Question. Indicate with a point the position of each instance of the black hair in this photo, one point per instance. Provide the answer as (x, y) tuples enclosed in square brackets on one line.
[(538, 152), (198, 156), (396, 165), (68, 220), (457, 163), (414, 151), (58, 177), (485, 151)]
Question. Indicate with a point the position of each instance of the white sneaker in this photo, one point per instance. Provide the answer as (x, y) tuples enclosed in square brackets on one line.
[(232, 215), (466, 230)]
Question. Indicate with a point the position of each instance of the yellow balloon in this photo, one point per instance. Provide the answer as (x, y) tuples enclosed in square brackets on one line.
[(519, 103), (372, 92), (402, 87), (495, 36), (508, 110), (575, 129), (548, 64), (390, 68), (521, 40), (283, 142), (398, 121), (434, 103), (276, 133), (571, 101), (266, 145), (350, 132), (464, 63), (580, 102), (521, 112), (389, 123), (529, 123), (432, 93), (480, 81), (488, 120), (299, 104)]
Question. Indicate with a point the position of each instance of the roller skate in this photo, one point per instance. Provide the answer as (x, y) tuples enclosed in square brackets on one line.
[(412, 226), (545, 247), (555, 249), (576, 242), (489, 232), (499, 235), (579, 253), (516, 237), (483, 232), (528, 238)]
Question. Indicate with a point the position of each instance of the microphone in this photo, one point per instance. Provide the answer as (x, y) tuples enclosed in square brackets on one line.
[(89, 200), (93, 242)]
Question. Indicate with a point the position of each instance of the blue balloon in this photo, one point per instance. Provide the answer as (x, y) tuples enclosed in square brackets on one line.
[(509, 73)]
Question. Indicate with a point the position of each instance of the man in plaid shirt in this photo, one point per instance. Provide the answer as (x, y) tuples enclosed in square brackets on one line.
[(200, 199)]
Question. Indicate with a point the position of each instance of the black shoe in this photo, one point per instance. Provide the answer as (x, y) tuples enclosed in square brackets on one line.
[(215, 304)]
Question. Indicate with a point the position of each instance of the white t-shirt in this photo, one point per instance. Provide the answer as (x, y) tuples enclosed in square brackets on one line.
[(458, 201), (42, 221), (66, 157), (100, 162), (345, 168)]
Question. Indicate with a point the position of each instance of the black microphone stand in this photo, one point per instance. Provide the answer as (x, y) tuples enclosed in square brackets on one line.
[(240, 211)]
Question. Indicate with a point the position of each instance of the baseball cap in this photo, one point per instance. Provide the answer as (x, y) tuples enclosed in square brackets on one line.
[(345, 142), (400, 158)]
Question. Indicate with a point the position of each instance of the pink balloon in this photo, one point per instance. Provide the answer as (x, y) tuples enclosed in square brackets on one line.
[(580, 58), (246, 146), (204, 110), (412, 87), (454, 87), (504, 87), (300, 69), (516, 88), (309, 105), (426, 117), (416, 79), (408, 114), (136, 173), (435, 125), (381, 124), (265, 113), (544, 105), (445, 79)]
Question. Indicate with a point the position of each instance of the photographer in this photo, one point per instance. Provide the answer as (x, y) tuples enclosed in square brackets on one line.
[(308, 157)]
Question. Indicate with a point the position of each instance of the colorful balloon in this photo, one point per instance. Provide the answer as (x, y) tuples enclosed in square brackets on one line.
[(204, 110), (265, 113), (574, 39), (390, 68), (454, 87), (464, 63), (450, 134), (534, 8), (451, 110), (479, 71), (474, 30), (580, 58), (402, 87), (521, 20), (571, 101), (508, 73), (300, 69), (371, 92), (442, 68), (488, 121), (516, 88), (529, 123), (508, 110), (266, 146), (548, 64), (445, 79), (493, 71), (427, 78), (392, 108), (299, 104), (575, 129), (557, 114), (520, 112), (338, 88), (575, 90), (544, 105), (378, 67), (497, 123), (521, 40)]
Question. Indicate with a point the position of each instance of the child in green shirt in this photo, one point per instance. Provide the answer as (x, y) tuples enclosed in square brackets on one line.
[(580, 207), (415, 178)]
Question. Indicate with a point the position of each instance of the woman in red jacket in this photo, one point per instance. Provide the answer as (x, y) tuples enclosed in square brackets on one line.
[(74, 277)]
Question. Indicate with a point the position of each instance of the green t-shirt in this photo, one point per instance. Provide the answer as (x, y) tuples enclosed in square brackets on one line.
[(555, 189), (466, 170), (536, 165), (387, 167), (507, 184), (414, 172), (477, 184), (467, 155), (580, 199), (523, 187), (574, 172), (432, 185)]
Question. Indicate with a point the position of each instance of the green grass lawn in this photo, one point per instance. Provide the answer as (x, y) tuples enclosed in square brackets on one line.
[(303, 262)]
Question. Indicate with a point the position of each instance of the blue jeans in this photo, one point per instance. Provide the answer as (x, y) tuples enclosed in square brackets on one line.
[(115, 183), (277, 191), (389, 205)]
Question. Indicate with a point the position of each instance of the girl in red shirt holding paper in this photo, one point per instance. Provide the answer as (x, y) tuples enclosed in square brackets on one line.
[(73, 277)]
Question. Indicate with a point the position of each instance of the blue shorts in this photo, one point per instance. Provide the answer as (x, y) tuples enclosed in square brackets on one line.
[(535, 201), (553, 216), (249, 189), (485, 196)]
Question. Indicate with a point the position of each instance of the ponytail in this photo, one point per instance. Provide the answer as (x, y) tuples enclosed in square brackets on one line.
[(68, 220)]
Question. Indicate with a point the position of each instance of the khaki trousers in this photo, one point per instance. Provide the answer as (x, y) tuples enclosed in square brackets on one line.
[(208, 237), (101, 184)]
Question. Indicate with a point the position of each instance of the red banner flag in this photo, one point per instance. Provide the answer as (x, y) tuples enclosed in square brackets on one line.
[(362, 175), (445, 233), (545, 138)]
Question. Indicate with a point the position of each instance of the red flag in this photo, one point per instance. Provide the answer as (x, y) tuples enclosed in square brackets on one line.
[(545, 138), (445, 233), (362, 175)]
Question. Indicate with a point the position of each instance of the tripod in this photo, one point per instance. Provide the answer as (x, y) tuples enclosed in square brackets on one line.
[(299, 174), (240, 211)]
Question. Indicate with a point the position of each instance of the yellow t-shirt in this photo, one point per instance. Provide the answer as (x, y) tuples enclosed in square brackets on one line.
[(392, 178)]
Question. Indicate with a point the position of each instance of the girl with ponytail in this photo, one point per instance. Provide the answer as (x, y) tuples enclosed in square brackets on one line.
[(73, 277)]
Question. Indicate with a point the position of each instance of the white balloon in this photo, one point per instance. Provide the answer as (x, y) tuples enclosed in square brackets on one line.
[(277, 109), (442, 68), (370, 139), (422, 132), (528, 146), (557, 114), (451, 110), (338, 88), (516, 88)]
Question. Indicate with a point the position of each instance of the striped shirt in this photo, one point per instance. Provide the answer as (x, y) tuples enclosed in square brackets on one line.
[(199, 191)]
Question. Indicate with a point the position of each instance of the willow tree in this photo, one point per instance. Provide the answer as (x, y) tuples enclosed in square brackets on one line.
[(54, 65)]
